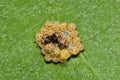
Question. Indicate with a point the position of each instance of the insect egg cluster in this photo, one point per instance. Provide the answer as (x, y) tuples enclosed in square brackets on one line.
[(59, 41)]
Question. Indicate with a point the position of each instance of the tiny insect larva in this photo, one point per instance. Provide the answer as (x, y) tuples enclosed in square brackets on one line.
[(47, 40), (54, 38)]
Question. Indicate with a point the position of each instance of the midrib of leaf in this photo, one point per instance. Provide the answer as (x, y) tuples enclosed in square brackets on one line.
[(91, 68)]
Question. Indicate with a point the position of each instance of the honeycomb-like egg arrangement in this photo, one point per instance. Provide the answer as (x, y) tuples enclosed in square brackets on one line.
[(59, 41)]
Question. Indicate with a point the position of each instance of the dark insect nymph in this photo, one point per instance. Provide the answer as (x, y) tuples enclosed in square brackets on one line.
[(54, 39), (50, 39)]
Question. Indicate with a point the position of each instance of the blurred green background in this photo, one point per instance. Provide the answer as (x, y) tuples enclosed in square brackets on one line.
[(98, 22)]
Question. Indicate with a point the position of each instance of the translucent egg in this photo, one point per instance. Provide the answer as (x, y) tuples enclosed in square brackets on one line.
[(66, 33)]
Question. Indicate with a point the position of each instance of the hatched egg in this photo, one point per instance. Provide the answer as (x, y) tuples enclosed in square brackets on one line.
[(62, 41), (62, 46), (56, 24), (65, 54), (75, 49), (58, 35), (66, 33), (72, 48)]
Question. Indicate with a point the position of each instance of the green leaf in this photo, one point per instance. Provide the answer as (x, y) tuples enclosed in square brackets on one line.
[(98, 22)]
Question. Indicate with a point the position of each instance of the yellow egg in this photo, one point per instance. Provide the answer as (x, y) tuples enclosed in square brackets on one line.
[(40, 44), (56, 29), (71, 27), (64, 24), (49, 48), (74, 33), (63, 61), (69, 39), (48, 57), (43, 51), (56, 51), (50, 32), (81, 47), (48, 24), (63, 27), (65, 54), (43, 30), (55, 59), (74, 51), (76, 40), (38, 37)]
